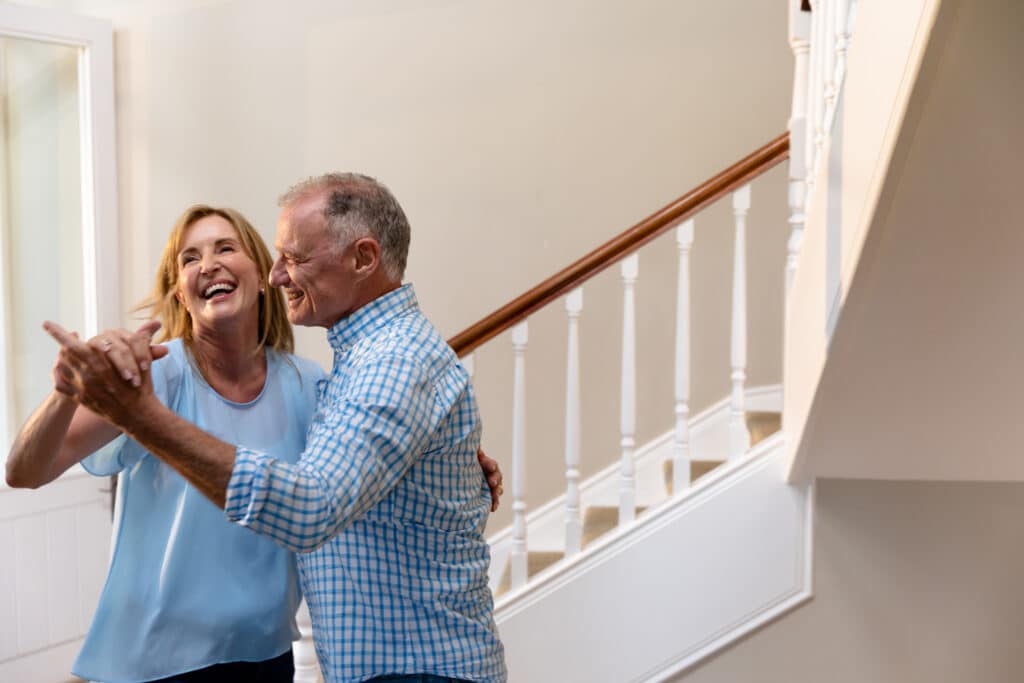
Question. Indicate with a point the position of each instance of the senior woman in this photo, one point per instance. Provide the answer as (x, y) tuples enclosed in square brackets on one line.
[(190, 596)]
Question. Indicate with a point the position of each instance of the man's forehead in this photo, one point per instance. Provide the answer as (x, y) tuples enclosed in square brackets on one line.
[(298, 227)]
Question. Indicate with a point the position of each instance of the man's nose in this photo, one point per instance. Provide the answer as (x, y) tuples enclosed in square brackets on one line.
[(277, 274)]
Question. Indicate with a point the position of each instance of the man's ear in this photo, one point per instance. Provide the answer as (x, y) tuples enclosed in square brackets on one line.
[(367, 253)]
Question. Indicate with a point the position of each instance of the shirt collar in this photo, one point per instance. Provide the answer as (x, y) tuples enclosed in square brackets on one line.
[(371, 317)]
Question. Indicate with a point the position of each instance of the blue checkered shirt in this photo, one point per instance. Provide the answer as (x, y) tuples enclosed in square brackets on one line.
[(386, 506)]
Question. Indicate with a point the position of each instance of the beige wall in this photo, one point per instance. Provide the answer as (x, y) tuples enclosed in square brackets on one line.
[(516, 135), (914, 583), (927, 348)]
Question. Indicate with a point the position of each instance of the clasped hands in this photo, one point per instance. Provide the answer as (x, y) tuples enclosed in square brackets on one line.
[(109, 374)]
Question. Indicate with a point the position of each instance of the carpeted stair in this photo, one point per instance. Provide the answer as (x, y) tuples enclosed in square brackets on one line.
[(760, 424)]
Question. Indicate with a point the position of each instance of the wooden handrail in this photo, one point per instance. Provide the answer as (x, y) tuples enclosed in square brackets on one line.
[(740, 173)]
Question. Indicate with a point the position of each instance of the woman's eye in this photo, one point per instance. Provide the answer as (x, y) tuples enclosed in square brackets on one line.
[(227, 248)]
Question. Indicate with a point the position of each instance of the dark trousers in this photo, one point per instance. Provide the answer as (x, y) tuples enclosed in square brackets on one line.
[(277, 670)]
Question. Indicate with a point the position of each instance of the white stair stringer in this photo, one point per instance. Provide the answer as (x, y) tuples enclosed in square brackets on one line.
[(709, 440), (690, 577)]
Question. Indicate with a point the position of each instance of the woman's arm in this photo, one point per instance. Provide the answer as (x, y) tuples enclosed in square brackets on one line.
[(59, 434)]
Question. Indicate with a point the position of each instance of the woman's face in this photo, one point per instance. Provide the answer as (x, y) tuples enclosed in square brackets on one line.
[(217, 281)]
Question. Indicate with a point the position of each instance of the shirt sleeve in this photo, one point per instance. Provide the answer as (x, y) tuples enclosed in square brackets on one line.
[(359, 448)]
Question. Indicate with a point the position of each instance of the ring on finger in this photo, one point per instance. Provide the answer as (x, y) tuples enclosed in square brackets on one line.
[(106, 344)]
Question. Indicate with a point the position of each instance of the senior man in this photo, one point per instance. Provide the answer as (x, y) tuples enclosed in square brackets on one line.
[(386, 505)]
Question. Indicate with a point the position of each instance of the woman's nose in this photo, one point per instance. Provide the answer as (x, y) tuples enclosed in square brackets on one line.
[(209, 263)]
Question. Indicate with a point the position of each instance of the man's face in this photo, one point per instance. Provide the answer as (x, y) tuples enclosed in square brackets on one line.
[(316, 277)]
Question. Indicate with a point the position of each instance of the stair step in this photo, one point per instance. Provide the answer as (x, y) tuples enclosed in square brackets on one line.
[(762, 425), (599, 520), (698, 468), (536, 561)]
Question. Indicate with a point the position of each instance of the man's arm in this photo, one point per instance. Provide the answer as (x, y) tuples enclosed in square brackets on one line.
[(366, 443), (205, 461)]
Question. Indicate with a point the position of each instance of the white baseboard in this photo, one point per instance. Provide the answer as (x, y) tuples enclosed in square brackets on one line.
[(51, 665)]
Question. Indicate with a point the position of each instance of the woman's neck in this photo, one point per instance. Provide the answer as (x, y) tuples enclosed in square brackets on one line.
[(231, 361)]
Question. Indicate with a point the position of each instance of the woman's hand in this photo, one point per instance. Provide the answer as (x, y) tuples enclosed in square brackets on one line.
[(95, 372), (493, 475), (130, 353)]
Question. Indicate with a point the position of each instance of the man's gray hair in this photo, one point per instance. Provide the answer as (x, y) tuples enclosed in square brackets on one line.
[(356, 206)]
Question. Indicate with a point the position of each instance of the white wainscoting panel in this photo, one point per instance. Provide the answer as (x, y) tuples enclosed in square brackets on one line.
[(56, 546), (62, 569), (30, 582), (681, 583), (8, 606)]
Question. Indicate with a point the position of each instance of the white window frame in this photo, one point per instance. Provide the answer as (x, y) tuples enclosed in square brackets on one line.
[(100, 257)]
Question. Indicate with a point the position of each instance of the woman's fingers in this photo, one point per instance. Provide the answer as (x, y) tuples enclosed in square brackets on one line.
[(118, 352)]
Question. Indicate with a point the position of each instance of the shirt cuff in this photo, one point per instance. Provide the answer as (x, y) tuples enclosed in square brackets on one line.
[(244, 496)]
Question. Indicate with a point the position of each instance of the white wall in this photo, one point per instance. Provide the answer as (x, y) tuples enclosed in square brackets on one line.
[(914, 583), (516, 135)]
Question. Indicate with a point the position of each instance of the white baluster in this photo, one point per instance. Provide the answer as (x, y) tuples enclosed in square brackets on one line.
[(739, 437), (821, 46), (799, 41), (830, 88), (573, 520), (469, 363), (307, 668), (627, 485), (517, 559), (813, 96), (681, 442), (843, 14)]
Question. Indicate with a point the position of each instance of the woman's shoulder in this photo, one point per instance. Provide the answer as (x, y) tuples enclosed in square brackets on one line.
[(306, 369), (175, 359), (169, 371)]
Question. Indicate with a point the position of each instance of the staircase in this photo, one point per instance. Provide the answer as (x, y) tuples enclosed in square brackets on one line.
[(689, 542), (599, 519), (728, 549), (665, 541)]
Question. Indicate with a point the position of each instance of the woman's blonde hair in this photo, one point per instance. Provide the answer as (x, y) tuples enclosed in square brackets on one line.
[(163, 304)]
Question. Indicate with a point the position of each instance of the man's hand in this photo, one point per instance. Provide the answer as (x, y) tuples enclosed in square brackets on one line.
[(493, 475), (97, 373)]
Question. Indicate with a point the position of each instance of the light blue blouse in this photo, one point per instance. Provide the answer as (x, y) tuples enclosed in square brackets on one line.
[(187, 589)]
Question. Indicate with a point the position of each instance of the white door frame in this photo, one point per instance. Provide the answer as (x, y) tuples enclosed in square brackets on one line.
[(56, 540), (98, 174)]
